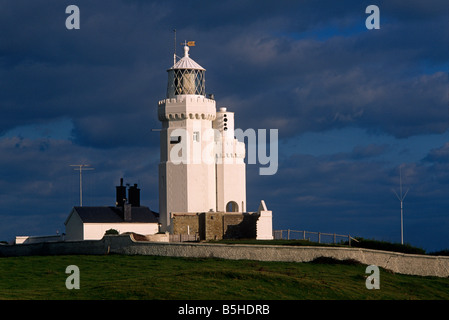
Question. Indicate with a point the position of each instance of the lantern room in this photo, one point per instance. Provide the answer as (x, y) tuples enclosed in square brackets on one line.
[(186, 77)]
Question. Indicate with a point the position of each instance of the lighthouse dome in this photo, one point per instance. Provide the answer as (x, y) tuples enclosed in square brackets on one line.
[(186, 62), (186, 77)]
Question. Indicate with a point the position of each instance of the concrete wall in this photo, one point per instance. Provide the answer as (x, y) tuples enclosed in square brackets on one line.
[(397, 262)]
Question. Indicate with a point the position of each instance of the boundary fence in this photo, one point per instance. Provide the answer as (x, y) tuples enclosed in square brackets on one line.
[(312, 236)]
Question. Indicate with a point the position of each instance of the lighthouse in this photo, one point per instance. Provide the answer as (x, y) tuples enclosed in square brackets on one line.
[(201, 165)]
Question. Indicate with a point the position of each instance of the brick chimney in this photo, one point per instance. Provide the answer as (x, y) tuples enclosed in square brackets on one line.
[(134, 195), (120, 197), (127, 211)]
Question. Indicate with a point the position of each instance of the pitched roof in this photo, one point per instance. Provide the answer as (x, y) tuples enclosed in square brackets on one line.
[(115, 215), (186, 62)]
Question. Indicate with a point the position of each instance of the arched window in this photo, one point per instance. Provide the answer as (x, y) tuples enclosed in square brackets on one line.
[(232, 206)]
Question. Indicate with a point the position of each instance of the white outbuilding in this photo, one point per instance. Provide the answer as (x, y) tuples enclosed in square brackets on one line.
[(91, 223)]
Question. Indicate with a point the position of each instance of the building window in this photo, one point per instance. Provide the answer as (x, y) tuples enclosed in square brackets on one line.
[(232, 206), (196, 136), (175, 139)]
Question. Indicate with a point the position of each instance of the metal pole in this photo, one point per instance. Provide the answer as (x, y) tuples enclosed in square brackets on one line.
[(81, 187), (80, 168), (174, 55), (402, 224), (401, 198)]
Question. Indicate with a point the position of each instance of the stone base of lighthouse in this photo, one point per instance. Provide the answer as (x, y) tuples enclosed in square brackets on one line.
[(223, 225)]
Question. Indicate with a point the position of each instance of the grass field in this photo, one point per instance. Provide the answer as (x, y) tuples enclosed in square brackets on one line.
[(147, 277)]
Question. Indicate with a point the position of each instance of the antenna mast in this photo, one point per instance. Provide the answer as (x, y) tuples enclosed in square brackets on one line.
[(401, 198), (80, 168), (174, 56)]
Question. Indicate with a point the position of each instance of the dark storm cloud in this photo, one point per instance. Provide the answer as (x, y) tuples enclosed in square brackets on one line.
[(440, 155), (258, 55), (25, 162), (118, 129), (364, 152), (344, 80), (108, 66)]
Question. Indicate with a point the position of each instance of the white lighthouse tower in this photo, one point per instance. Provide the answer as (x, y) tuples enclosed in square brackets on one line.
[(202, 173), (186, 182), (201, 165)]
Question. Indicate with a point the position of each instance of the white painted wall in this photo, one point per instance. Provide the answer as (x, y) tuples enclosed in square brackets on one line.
[(38, 239), (230, 165), (76, 230), (95, 231), (264, 225), (188, 186)]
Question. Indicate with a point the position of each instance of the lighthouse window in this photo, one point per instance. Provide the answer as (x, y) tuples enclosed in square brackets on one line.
[(175, 139), (196, 136), (185, 81)]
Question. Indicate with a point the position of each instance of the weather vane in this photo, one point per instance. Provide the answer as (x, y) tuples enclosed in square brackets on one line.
[(188, 43)]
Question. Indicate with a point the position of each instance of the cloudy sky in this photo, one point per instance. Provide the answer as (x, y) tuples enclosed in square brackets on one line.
[(352, 106)]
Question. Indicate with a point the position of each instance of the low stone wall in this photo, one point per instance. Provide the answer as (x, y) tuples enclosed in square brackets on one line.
[(397, 262), (56, 248)]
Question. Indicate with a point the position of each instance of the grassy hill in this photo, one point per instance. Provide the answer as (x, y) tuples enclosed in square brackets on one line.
[(148, 277)]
